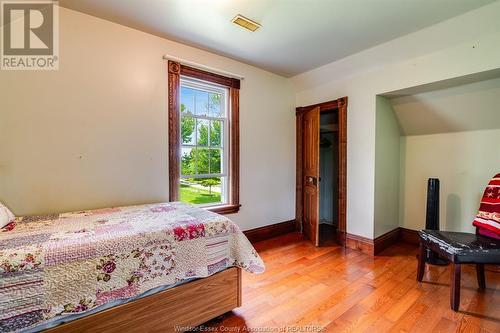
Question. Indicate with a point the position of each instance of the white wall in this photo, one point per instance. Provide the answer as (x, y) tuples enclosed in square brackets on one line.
[(452, 134), (94, 133), (387, 168), (466, 107), (461, 46), (464, 162)]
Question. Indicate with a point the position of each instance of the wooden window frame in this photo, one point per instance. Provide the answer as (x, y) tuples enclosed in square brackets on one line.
[(175, 71)]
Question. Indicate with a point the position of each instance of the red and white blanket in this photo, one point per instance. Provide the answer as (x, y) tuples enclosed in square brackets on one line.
[(488, 218)]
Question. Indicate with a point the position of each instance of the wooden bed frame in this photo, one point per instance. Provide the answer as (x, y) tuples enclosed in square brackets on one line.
[(172, 310)]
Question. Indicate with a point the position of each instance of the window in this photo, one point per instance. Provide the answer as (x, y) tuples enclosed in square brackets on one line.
[(204, 143), (203, 138)]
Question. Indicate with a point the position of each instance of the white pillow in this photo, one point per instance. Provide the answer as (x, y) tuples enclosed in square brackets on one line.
[(6, 216)]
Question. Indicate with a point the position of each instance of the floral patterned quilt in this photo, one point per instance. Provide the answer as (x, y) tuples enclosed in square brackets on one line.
[(70, 263)]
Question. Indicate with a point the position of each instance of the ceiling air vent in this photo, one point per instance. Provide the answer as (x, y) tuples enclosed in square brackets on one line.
[(246, 23)]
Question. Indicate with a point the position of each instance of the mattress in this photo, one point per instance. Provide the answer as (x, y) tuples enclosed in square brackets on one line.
[(55, 267)]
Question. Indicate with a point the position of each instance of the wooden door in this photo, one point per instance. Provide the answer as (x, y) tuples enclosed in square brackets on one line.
[(310, 123), (342, 171)]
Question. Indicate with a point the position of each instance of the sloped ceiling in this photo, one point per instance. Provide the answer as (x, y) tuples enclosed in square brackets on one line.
[(296, 35), (468, 107)]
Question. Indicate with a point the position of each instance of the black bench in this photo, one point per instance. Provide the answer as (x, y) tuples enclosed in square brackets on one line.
[(459, 248)]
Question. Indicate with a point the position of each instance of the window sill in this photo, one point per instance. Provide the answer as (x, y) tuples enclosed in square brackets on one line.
[(223, 209)]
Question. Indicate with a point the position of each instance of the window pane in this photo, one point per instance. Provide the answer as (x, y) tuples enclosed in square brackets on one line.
[(202, 190), (202, 160), (201, 103), (215, 105), (216, 127), (203, 124), (215, 160), (187, 130), (187, 100), (202, 129), (188, 165)]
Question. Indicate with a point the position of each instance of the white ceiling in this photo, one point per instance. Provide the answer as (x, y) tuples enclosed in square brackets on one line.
[(468, 107), (297, 35)]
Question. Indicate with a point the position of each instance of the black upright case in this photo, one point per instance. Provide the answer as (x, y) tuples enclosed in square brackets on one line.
[(432, 218)]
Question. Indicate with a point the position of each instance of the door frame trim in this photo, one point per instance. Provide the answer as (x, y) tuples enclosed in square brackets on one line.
[(341, 105)]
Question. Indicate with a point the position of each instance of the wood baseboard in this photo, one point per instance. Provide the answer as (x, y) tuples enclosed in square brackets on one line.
[(382, 242), (366, 245), (360, 243), (377, 245), (409, 236), (270, 231)]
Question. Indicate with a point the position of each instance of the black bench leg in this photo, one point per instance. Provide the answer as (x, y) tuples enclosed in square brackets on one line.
[(455, 286), (421, 263), (481, 280)]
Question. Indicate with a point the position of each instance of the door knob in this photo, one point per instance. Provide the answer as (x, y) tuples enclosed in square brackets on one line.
[(311, 180)]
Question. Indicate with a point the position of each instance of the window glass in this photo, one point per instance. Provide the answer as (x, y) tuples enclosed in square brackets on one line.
[(203, 136)]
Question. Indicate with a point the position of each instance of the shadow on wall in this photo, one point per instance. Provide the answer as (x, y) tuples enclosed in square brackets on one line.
[(453, 212)]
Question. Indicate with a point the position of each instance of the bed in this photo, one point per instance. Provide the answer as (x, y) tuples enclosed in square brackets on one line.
[(157, 267)]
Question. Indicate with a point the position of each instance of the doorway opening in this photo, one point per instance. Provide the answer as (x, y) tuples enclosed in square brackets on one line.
[(321, 172), (328, 177)]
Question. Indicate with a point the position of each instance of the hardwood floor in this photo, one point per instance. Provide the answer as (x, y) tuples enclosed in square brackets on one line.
[(331, 289)]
